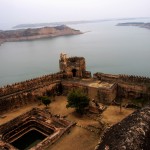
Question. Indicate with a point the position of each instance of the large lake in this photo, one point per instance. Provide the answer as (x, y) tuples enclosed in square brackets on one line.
[(106, 47)]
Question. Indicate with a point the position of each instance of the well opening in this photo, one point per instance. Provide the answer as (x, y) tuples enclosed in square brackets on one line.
[(28, 140), (36, 129)]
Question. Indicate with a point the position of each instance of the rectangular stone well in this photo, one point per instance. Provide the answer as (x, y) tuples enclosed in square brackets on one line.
[(34, 130), (28, 140)]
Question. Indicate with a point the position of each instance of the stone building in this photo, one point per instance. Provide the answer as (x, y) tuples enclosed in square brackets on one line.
[(73, 66)]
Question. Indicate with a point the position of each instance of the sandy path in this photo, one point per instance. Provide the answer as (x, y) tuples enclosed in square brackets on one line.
[(77, 139)]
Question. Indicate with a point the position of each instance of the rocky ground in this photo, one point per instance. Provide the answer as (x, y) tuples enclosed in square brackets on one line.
[(132, 133)]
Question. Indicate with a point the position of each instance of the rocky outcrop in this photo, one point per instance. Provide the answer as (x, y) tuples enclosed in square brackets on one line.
[(37, 33), (132, 133)]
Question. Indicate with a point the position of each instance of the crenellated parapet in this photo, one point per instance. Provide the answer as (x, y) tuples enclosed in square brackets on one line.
[(133, 78), (103, 87), (28, 85), (23, 93), (121, 77), (129, 87)]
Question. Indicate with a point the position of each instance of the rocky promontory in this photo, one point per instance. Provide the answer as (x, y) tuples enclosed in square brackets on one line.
[(36, 33), (139, 24)]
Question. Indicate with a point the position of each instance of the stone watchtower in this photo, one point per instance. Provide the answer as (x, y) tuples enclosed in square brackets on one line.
[(73, 66)]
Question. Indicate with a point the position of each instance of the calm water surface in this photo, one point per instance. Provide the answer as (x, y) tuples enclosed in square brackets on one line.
[(107, 48)]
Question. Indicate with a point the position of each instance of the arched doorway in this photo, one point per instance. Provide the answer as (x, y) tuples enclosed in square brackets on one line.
[(74, 72)]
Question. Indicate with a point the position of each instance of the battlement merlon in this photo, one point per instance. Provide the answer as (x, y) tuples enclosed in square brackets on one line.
[(73, 66), (63, 57)]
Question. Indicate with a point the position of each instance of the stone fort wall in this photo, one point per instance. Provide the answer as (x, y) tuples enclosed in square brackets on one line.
[(30, 84), (23, 93), (123, 78), (128, 86)]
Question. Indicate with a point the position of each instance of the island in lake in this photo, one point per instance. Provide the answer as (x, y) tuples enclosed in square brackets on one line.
[(139, 24), (36, 33)]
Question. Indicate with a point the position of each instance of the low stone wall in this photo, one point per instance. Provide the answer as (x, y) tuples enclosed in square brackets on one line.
[(67, 87), (106, 77), (23, 98)]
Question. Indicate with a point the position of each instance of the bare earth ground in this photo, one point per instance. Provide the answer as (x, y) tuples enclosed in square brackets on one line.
[(80, 137), (112, 114)]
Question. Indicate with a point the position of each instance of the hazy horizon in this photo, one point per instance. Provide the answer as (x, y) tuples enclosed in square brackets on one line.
[(16, 12)]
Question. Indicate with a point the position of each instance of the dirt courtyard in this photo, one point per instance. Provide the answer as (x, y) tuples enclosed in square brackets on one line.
[(86, 133)]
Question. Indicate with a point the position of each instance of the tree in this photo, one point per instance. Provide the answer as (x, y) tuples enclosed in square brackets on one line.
[(78, 100), (59, 89), (48, 93), (45, 100), (39, 98)]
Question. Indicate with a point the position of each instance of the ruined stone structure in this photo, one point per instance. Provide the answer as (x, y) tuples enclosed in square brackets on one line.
[(128, 87), (36, 120), (23, 93), (102, 88), (99, 91), (73, 66)]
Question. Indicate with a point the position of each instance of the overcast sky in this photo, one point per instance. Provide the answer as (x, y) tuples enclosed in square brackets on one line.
[(13, 12)]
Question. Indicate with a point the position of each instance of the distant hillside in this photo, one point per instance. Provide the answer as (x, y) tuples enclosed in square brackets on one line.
[(139, 24), (52, 24), (37, 33)]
